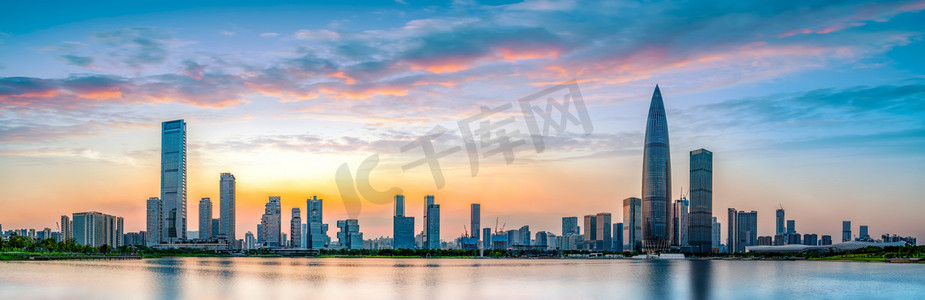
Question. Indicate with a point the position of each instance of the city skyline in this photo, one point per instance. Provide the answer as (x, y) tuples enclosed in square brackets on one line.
[(82, 103)]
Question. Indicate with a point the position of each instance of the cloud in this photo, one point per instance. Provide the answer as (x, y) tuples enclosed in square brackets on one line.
[(139, 46), (80, 61), (227, 33), (269, 34)]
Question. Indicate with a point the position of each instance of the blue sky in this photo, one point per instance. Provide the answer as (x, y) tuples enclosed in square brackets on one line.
[(813, 105)]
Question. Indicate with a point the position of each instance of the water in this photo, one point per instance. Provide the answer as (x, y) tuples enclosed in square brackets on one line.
[(382, 278)]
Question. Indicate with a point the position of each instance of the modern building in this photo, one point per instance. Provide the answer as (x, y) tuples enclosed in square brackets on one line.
[(656, 179), (590, 232), (475, 219), (764, 240), (205, 219), (845, 231), (486, 238), (402, 226), (295, 228), (153, 229), (731, 232), (747, 227), (618, 237), (431, 223), (826, 240), (522, 236), (810, 239), (632, 224), (250, 243), (780, 228), (542, 239), (216, 228), (173, 181), (226, 191), (604, 239), (717, 235), (271, 223), (349, 236), (134, 238), (569, 226), (317, 231), (791, 226), (700, 233), (66, 232), (680, 222), (863, 234), (96, 229)]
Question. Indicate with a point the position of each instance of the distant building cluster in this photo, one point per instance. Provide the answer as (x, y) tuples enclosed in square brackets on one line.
[(650, 223)]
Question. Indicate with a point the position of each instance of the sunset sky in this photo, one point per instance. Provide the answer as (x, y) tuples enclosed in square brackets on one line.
[(815, 106)]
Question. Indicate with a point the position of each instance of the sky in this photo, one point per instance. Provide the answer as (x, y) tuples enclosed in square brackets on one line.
[(814, 106)]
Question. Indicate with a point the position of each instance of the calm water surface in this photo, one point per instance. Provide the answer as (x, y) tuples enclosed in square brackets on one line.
[(381, 278)]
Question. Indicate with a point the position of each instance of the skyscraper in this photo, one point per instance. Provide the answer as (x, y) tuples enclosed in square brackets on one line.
[(402, 226), (153, 225), (271, 223), (656, 179), (632, 224), (486, 238), (604, 241), (680, 222), (791, 227), (475, 215), (431, 223), (701, 201), (317, 231), (747, 225), (226, 191), (862, 233), (349, 235), (845, 231), (295, 228), (590, 231), (173, 181), (731, 231), (569, 225), (618, 237), (205, 219), (66, 232), (717, 233), (780, 229), (216, 228)]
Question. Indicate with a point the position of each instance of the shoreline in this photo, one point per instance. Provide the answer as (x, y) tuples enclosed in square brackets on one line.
[(8, 256)]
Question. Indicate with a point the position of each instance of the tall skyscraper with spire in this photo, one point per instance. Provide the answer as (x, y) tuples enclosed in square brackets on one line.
[(173, 181), (656, 179)]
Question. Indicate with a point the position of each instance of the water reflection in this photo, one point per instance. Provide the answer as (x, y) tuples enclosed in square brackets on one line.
[(659, 280), (700, 276), (166, 274)]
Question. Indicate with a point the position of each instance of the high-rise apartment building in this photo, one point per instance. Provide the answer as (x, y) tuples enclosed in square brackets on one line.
[(66, 232), (205, 219), (153, 225), (226, 191), (96, 229), (295, 228), (632, 224)]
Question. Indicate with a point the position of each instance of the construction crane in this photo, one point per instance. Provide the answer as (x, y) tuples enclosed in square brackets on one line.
[(465, 231), (58, 226)]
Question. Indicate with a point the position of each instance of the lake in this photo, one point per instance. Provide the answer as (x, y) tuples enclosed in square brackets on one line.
[(413, 278)]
